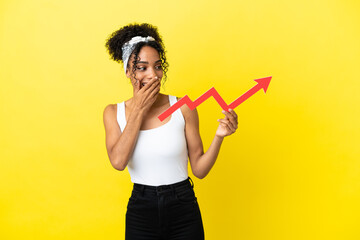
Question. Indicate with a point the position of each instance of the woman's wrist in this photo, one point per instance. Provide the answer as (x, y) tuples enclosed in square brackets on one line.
[(137, 112), (219, 138)]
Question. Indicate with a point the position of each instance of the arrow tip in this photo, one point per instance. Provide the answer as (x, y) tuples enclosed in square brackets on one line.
[(263, 82)]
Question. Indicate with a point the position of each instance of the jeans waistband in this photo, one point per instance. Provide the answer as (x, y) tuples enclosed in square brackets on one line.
[(186, 182)]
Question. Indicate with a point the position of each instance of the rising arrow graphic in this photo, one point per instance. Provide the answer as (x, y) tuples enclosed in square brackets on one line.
[(262, 83)]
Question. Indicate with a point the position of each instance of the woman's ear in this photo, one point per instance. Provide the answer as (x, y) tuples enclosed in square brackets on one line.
[(127, 73)]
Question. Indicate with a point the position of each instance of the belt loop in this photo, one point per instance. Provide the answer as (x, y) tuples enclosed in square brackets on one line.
[(192, 183), (173, 190), (142, 190)]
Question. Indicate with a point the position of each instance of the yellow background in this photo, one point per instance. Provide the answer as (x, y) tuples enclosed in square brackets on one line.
[(292, 169)]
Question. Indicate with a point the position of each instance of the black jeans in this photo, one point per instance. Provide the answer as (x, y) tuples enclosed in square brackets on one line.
[(168, 212)]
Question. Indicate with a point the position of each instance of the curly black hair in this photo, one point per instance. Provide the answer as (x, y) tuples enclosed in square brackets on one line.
[(116, 40)]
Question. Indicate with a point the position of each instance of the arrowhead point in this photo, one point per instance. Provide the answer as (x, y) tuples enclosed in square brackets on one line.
[(263, 82)]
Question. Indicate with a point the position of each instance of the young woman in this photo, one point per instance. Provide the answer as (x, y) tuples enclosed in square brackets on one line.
[(163, 204)]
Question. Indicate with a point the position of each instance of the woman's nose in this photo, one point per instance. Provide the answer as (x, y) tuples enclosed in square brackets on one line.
[(152, 73)]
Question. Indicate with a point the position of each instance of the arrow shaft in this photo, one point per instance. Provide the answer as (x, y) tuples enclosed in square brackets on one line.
[(245, 96)]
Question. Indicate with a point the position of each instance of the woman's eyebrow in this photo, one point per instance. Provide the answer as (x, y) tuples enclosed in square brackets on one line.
[(148, 62)]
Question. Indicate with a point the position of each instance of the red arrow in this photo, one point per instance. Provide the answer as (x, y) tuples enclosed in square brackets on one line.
[(263, 83)]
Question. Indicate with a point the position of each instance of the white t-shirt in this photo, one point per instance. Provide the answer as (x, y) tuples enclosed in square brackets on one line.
[(160, 156)]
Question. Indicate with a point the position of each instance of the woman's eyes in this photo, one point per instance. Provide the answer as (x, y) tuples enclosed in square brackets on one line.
[(144, 68)]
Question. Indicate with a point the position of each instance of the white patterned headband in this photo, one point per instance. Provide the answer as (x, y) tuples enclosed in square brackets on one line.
[(129, 47)]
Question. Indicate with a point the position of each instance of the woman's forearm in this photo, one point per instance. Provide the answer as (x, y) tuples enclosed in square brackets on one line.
[(207, 160), (125, 145)]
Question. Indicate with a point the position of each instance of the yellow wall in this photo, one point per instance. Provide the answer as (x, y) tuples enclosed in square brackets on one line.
[(292, 169)]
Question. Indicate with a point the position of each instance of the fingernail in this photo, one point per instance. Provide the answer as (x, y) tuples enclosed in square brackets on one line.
[(223, 111), (230, 109)]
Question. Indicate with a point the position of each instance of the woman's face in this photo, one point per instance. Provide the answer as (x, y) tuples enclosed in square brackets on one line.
[(147, 68)]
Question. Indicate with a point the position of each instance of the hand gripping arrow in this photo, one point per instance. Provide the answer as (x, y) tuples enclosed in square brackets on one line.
[(263, 83)]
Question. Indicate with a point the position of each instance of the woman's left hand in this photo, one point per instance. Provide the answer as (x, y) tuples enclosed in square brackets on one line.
[(228, 125)]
